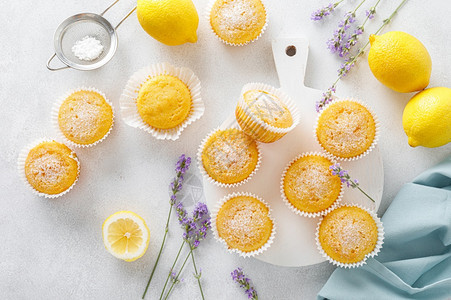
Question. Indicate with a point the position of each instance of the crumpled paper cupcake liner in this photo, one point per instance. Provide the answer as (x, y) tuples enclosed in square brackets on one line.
[(129, 110)]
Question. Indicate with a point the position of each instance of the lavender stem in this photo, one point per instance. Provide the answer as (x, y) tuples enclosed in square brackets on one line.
[(366, 194), (195, 270), (159, 253), (172, 269), (175, 280)]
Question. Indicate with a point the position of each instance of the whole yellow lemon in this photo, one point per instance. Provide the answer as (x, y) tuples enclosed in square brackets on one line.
[(171, 22), (400, 61), (427, 118)]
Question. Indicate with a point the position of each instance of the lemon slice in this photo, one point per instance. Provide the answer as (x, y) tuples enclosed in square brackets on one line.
[(126, 235)]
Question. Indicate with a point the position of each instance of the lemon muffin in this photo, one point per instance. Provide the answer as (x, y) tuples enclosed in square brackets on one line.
[(85, 117), (229, 156), (264, 113), (308, 185), (51, 168), (348, 234), (346, 129), (238, 22), (244, 223), (164, 102)]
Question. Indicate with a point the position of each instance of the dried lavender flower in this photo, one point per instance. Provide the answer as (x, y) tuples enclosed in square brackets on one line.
[(345, 178), (322, 12), (370, 13), (326, 99), (196, 227), (346, 48), (336, 43), (239, 276)]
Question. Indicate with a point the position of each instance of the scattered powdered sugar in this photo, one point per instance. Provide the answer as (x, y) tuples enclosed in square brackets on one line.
[(348, 131), (237, 16), (349, 236), (88, 48), (47, 168), (231, 153), (314, 181), (81, 122), (310, 181), (246, 225)]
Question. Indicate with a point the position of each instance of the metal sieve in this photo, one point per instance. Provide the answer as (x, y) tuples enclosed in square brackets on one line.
[(77, 27)]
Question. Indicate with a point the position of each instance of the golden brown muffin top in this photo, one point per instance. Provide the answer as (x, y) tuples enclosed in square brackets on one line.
[(244, 223), (347, 234)]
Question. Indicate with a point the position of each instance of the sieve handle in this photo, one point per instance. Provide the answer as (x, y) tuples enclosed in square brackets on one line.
[(123, 19), (55, 69)]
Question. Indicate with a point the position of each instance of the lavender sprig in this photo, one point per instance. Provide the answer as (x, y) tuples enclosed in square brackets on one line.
[(195, 230), (350, 62), (326, 99), (338, 42), (346, 48), (245, 283), (345, 178), (346, 66), (324, 11), (335, 44), (176, 185), (344, 51)]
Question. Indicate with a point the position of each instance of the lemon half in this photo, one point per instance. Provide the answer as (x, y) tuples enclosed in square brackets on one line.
[(126, 235)]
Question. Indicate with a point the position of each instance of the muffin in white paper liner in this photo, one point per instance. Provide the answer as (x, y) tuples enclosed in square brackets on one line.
[(376, 250), (291, 206), (214, 214), (257, 128), (21, 168), (215, 182), (129, 110), (208, 14), (55, 114), (376, 136)]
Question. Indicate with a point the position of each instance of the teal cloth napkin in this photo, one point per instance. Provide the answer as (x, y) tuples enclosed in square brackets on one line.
[(415, 260)]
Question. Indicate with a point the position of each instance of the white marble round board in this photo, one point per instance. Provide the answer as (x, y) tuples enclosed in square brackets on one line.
[(294, 244)]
